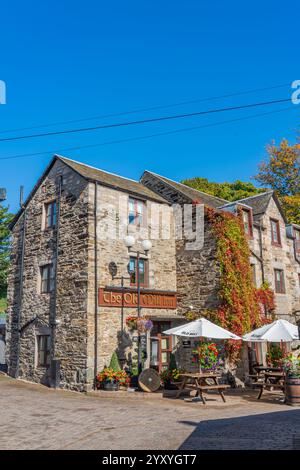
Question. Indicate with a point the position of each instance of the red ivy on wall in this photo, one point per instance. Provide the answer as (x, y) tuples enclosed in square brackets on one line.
[(242, 306)]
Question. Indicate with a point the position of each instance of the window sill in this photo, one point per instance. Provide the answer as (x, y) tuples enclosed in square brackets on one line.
[(277, 245)]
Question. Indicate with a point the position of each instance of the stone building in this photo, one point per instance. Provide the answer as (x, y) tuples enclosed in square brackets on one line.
[(274, 246), (73, 283), (66, 240)]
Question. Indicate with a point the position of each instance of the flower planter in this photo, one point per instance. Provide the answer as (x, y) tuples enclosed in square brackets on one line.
[(292, 390), (170, 385), (111, 386), (134, 382)]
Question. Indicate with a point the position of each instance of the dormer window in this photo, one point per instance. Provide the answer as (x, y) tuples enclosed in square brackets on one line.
[(136, 212), (275, 232), (247, 220), (297, 241)]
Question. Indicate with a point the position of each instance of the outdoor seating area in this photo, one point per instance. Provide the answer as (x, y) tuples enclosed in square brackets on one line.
[(201, 382), (209, 376)]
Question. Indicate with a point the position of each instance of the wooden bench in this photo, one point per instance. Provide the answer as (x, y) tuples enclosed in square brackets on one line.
[(199, 383), (218, 387), (272, 380)]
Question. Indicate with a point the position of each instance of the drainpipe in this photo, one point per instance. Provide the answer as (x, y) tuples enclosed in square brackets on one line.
[(261, 254), (20, 306), (96, 283), (295, 251), (53, 316)]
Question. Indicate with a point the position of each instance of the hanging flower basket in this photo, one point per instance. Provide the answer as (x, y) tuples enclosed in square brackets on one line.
[(142, 324), (131, 322)]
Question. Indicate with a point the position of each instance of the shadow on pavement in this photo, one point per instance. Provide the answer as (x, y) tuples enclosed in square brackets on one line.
[(277, 430)]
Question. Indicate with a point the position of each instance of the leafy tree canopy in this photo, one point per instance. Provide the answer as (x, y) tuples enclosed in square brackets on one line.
[(281, 172), (229, 191)]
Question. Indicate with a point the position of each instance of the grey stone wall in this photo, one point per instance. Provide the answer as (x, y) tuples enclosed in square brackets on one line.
[(281, 257), (72, 277), (112, 332)]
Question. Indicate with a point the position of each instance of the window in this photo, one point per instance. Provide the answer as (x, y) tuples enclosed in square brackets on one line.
[(43, 350), (47, 278), (50, 213), (143, 269), (275, 232), (279, 281), (297, 241), (247, 219), (136, 211)]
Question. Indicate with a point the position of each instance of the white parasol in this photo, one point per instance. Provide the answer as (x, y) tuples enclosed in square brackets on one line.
[(202, 328), (276, 332)]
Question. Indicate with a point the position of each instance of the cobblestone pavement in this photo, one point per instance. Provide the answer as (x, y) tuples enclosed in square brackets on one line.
[(35, 417)]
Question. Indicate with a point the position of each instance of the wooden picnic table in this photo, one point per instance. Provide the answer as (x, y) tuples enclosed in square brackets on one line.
[(199, 382), (270, 380), (267, 369)]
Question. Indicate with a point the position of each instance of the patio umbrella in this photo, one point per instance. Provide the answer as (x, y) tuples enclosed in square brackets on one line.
[(277, 332), (202, 328)]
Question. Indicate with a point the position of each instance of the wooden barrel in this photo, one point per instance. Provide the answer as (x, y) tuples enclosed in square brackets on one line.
[(292, 391)]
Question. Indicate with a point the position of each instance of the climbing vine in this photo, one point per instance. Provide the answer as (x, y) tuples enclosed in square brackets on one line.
[(242, 306)]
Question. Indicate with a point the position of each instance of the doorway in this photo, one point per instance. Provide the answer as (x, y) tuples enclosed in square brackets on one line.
[(160, 346)]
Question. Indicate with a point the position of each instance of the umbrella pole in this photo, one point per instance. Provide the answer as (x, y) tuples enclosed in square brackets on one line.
[(200, 370)]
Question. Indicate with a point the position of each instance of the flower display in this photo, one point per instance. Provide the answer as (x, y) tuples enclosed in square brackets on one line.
[(131, 322), (141, 324), (144, 325), (291, 365), (275, 356), (170, 375), (109, 375), (207, 355)]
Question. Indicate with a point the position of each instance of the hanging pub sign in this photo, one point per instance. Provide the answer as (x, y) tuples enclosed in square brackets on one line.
[(114, 297)]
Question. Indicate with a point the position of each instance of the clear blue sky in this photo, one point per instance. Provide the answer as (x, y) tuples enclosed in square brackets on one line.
[(64, 60)]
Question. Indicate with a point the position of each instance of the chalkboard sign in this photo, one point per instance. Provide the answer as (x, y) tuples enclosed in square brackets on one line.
[(186, 344), (144, 342)]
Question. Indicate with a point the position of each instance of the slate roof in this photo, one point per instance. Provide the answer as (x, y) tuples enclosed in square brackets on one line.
[(111, 180), (259, 202), (90, 173), (190, 193)]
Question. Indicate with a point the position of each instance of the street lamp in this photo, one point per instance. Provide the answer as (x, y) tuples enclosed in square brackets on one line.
[(129, 241)]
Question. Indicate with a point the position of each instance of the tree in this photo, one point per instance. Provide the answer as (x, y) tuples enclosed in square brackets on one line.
[(5, 218), (281, 172), (114, 362), (229, 191)]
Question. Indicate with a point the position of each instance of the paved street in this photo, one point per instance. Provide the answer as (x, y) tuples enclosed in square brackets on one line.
[(34, 417)]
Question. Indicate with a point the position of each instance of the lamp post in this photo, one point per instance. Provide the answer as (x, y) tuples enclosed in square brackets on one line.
[(129, 241)]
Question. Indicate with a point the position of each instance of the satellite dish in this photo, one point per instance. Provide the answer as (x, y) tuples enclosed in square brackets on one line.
[(149, 380), (113, 269)]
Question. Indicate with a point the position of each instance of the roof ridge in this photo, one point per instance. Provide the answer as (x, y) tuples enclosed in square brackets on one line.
[(271, 191), (186, 186), (61, 157)]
